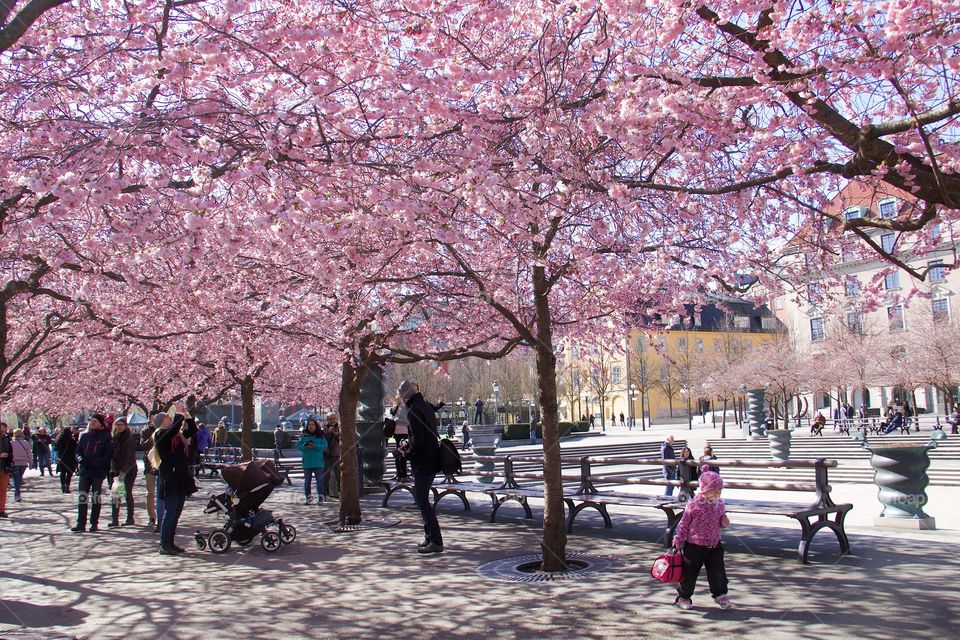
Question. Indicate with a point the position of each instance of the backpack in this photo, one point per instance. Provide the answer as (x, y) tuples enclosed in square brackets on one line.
[(450, 463), (668, 568)]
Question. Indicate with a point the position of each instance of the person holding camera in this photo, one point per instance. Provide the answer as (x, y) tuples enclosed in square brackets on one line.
[(312, 445), (422, 448), (174, 480)]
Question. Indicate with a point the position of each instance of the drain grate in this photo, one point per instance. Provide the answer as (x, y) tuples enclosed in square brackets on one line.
[(525, 568)]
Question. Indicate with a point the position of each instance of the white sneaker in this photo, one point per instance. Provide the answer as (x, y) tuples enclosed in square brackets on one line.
[(723, 602), (684, 603)]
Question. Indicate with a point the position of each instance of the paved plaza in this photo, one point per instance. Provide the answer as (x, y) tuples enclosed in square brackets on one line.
[(371, 584)]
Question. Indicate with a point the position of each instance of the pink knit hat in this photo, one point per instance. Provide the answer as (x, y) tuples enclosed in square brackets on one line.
[(709, 480)]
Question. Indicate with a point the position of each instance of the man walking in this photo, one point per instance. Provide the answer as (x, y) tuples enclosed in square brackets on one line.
[(478, 405), (423, 451), (669, 471)]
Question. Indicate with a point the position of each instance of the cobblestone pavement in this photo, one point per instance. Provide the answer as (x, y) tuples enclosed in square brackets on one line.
[(371, 584)]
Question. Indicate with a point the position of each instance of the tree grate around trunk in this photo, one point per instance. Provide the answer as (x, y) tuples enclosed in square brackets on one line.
[(526, 568)]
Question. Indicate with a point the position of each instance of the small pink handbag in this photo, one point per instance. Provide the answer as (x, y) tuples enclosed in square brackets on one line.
[(668, 568)]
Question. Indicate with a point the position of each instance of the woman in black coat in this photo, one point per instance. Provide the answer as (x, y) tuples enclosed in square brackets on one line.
[(686, 472), (174, 480), (66, 457)]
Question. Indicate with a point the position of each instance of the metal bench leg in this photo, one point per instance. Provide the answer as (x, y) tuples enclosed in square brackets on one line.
[(386, 496), (526, 509), (823, 522), (460, 494), (673, 519), (575, 509)]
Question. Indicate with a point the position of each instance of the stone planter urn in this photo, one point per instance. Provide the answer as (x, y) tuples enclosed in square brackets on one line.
[(485, 439), (900, 473), (779, 440)]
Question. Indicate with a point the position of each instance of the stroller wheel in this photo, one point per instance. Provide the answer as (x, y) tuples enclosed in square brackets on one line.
[(219, 542), (287, 534), (270, 541), (201, 541)]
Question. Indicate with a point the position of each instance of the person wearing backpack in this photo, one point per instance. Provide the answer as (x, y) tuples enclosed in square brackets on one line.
[(423, 450), (312, 446)]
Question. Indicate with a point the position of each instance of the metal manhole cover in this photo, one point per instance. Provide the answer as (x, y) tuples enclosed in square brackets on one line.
[(523, 568), (334, 526)]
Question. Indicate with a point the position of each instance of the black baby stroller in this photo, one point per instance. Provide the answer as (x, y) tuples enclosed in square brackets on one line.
[(250, 484)]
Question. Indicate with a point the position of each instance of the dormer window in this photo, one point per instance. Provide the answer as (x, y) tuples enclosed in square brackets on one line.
[(888, 208), (854, 213)]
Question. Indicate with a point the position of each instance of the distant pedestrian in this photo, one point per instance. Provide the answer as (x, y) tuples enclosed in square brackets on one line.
[(478, 408), (451, 431), (94, 453), (312, 446), (67, 456), (123, 467), (278, 437), (331, 461), (401, 431), (22, 453), (465, 434), (593, 420), (698, 538), (669, 471), (423, 448), (150, 476), (220, 435), (623, 420), (41, 451), (6, 466)]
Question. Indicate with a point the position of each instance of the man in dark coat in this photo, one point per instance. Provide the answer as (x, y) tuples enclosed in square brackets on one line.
[(423, 451), (478, 416), (94, 453), (669, 471)]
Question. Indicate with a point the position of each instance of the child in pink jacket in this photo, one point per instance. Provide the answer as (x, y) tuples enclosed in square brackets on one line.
[(698, 537)]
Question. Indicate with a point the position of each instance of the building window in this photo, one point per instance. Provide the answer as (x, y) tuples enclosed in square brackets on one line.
[(617, 374), (741, 322), (575, 352), (778, 304), (888, 209), (664, 372), (697, 320), (814, 292), (853, 213), (577, 381), (682, 343), (888, 241), (816, 330), (698, 345), (717, 346), (768, 323), (935, 232), (937, 273), (848, 252), (851, 286), (892, 280), (855, 322), (895, 317), (941, 309)]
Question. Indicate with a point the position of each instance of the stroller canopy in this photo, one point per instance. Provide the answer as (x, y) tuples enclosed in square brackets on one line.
[(255, 475)]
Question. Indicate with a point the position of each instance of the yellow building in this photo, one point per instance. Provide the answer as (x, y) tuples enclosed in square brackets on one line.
[(661, 368)]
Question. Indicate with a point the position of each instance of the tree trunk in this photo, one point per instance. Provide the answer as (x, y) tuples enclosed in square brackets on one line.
[(723, 422), (554, 541), (350, 379), (670, 403), (246, 413)]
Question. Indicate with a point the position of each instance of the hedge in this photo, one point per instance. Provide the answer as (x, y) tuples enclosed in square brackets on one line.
[(522, 431)]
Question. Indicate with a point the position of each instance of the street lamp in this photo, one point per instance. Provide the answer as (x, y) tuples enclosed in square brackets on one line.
[(462, 406), (633, 391), (496, 402)]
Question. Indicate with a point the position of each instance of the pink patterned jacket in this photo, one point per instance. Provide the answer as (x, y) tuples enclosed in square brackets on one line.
[(701, 523)]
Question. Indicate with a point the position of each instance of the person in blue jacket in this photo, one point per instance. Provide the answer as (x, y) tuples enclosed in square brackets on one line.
[(312, 445), (94, 453)]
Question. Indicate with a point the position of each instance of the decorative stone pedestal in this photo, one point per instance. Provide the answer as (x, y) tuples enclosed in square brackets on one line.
[(779, 443), (900, 473), (755, 413), (485, 439)]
